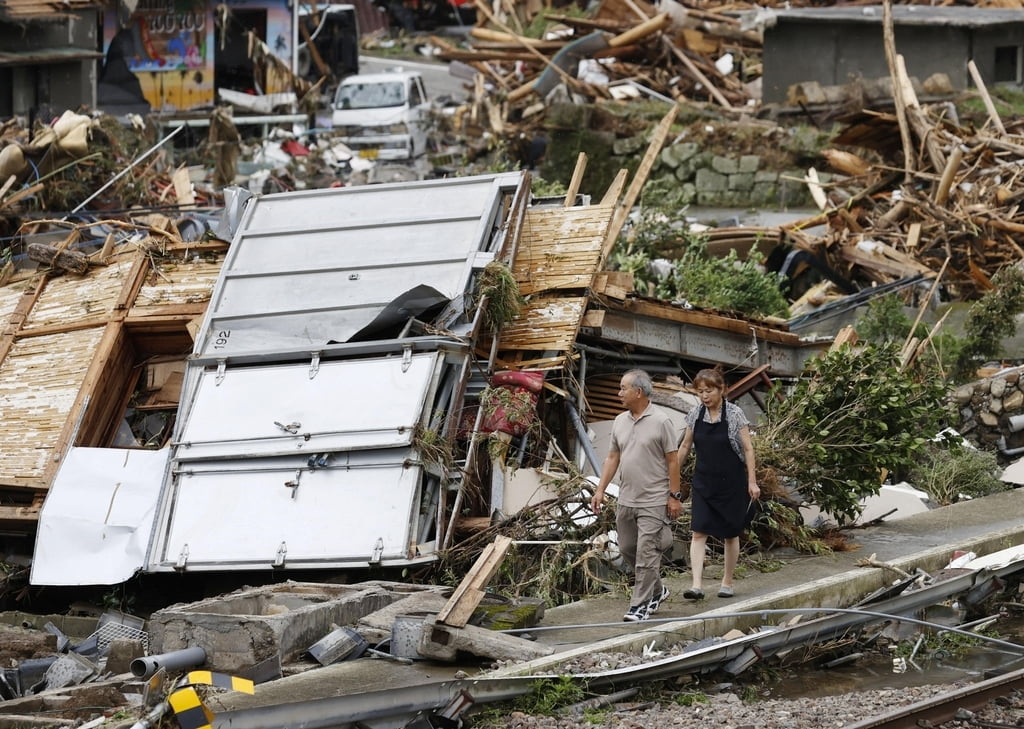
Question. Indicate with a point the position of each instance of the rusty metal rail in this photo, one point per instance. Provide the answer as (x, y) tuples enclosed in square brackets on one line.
[(940, 709)]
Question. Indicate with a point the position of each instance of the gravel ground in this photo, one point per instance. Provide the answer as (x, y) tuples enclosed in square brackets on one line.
[(728, 711)]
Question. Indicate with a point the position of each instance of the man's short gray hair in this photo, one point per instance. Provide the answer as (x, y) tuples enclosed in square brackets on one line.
[(641, 379)]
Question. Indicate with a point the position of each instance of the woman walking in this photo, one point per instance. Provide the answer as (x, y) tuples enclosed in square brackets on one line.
[(724, 484)]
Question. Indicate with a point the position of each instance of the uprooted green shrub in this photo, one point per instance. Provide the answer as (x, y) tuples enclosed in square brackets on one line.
[(499, 291), (854, 415), (991, 319), (949, 470), (671, 263), (884, 320)]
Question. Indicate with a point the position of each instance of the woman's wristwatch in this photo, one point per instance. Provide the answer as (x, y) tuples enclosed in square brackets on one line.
[(677, 495)]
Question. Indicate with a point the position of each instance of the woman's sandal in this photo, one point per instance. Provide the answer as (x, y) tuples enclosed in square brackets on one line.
[(694, 593)]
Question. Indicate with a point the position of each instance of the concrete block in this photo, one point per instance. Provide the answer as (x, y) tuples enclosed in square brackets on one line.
[(938, 84), (567, 116), (668, 159), (764, 193), (376, 626), (246, 627), (688, 167), (676, 154), (69, 670), (807, 92)]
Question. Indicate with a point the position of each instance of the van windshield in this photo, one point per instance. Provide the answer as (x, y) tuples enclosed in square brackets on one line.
[(370, 95)]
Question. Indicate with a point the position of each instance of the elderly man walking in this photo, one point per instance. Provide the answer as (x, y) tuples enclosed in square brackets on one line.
[(644, 454)]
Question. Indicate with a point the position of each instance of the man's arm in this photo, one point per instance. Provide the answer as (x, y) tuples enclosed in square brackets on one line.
[(611, 466), (675, 506)]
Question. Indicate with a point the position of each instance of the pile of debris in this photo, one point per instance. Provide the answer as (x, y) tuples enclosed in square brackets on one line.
[(625, 50)]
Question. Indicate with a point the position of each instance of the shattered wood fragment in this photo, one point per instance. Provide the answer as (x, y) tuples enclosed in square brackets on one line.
[(646, 28)]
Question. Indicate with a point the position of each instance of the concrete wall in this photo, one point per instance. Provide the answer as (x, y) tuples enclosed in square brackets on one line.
[(59, 71), (835, 52)]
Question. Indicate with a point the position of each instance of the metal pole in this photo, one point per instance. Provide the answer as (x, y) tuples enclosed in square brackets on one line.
[(581, 432), (123, 172)]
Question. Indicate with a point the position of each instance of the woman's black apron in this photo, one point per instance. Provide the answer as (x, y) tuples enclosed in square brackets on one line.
[(720, 502)]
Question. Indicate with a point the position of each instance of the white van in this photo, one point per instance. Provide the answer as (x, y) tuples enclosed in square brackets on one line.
[(382, 115)]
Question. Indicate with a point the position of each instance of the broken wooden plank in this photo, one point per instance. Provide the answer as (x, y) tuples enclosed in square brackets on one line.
[(577, 179), (637, 184), (470, 592), (443, 642)]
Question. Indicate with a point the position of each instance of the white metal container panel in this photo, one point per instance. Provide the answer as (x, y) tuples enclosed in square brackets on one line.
[(98, 515), (308, 268), (230, 514), (348, 404)]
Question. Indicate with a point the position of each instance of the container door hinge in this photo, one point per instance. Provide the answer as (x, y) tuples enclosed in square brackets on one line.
[(282, 552), (406, 357), (378, 551), (222, 368), (182, 559), (314, 365)]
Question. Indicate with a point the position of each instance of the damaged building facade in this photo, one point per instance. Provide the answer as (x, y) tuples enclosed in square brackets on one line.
[(327, 389), (167, 57)]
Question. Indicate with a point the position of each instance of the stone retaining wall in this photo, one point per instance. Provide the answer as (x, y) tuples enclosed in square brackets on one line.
[(988, 408), (689, 170), (716, 180)]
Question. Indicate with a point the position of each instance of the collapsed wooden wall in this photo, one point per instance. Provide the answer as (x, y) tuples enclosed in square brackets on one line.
[(70, 353)]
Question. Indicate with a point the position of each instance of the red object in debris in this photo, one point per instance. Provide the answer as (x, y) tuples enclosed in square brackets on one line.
[(530, 379), (510, 403), (294, 148)]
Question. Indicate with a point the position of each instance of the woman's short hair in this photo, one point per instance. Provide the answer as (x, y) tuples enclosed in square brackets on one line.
[(710, 377)]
